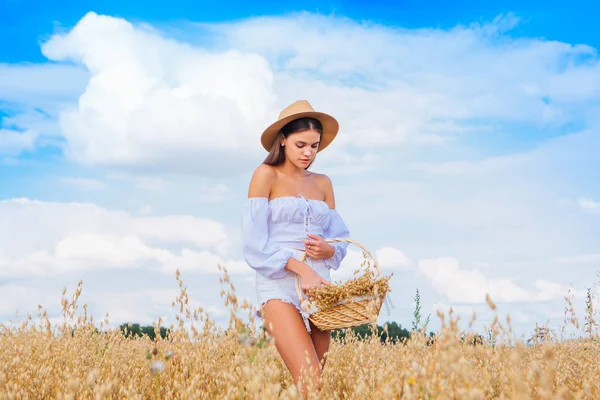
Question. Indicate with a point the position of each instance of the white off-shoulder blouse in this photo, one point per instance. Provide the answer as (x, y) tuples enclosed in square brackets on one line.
[(273, 229)]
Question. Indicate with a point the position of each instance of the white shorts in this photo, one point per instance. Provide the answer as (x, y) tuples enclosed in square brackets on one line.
[(284, 289)]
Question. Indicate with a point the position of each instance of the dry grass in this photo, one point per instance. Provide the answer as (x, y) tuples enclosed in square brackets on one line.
[(84, 360), (366, 282)]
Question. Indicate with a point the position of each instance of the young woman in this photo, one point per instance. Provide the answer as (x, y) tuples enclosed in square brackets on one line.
[(289, 211)]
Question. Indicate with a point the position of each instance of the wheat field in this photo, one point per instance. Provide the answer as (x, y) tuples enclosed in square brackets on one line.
[(81, 358)]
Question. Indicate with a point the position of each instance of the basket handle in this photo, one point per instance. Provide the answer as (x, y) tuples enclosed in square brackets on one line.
[(337, 240)]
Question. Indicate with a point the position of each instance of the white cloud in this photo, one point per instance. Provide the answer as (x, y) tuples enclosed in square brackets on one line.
[(549, 290), (180, 228), (351, 263), (393, 259), (161, 104), (12, 142), (421, 76), (202, 262), (84, 252), (105, 251), (588, 204), (471, 286), (152, 101), (80, 236)]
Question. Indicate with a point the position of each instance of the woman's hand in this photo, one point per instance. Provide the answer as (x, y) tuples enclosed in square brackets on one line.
[(317, 248), (309, 280)]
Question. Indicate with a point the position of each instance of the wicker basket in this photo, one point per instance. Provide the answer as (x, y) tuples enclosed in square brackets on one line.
[(352, 311)]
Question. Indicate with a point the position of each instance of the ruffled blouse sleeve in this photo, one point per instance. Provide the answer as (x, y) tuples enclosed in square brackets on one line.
[(260, 252), (336, 229)]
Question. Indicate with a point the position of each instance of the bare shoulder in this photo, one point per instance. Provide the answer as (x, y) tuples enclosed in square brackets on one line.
[(326, 186), (262, 181), (322, 181)]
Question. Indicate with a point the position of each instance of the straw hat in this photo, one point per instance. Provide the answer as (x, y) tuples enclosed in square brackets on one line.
[(301, 109)]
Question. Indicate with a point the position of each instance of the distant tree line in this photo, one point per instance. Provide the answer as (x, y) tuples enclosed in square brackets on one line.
[(135, 330), (395, 333)]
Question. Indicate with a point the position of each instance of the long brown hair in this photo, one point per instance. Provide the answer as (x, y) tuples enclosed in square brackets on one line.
[(277, 154)]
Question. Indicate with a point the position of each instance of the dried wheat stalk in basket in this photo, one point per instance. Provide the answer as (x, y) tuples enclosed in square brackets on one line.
[(352, 303)]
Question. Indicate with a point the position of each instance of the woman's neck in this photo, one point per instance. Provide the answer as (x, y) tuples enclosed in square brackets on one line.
[(290, 169)]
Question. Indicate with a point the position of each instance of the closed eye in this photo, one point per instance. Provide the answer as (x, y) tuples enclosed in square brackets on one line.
[(302, 144)]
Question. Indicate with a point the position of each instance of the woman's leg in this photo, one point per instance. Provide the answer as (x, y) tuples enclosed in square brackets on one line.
[(321, 341), (285, 325)]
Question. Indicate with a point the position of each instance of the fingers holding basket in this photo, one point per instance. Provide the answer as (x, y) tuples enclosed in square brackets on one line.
[(311, 281), (317, 248)]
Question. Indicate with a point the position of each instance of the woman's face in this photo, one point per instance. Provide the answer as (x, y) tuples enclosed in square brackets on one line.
[(301, 147)]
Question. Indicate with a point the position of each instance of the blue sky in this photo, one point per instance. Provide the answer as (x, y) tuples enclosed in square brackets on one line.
[(466, 160), (26, 22)]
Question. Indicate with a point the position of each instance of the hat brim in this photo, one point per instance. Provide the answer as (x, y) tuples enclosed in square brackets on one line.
[(330, 128)]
